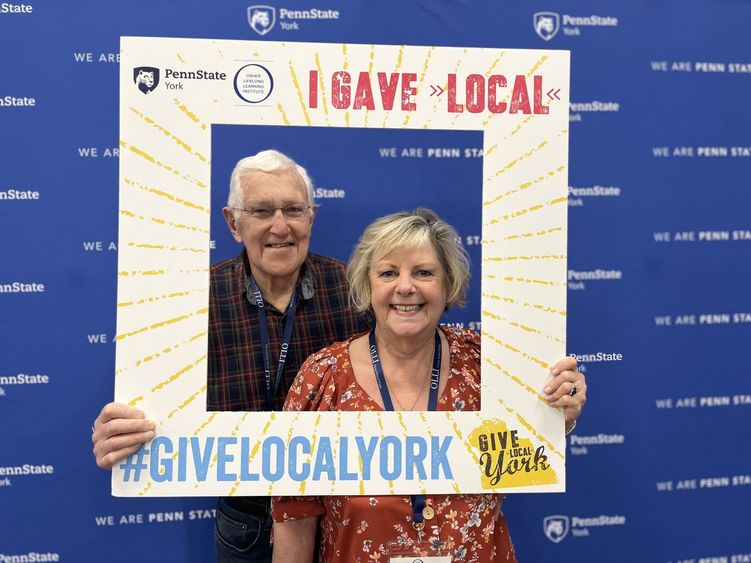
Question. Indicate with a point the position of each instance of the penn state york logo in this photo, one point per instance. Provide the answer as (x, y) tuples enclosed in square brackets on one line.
[(555, 527), (261, 18), (546, 24), (146, 78)]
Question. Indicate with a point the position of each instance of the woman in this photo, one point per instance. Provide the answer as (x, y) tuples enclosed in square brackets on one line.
[(407, 269)]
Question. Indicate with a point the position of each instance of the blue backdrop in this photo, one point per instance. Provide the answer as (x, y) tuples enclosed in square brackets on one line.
[(659, 466)]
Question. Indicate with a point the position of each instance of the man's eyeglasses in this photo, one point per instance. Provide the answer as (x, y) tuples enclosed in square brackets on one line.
[(289, 210)]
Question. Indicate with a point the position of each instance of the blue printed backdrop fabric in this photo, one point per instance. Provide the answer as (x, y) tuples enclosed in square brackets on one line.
[(660, 240)]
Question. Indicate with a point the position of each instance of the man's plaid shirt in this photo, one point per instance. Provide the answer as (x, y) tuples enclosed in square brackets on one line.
[(236, 380)]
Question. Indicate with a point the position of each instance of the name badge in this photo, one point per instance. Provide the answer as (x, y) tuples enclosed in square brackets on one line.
[(418, 559)]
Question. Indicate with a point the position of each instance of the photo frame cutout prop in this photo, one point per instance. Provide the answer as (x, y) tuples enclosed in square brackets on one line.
[(171, 92)]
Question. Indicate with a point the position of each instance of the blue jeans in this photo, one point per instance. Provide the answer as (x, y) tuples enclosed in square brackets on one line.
[(241, 537)]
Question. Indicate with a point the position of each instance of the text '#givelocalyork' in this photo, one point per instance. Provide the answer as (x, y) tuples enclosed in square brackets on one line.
[(300, 459)]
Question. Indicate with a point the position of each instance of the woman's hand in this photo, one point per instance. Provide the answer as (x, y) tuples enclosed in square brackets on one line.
[(119, 431), (567, 389)]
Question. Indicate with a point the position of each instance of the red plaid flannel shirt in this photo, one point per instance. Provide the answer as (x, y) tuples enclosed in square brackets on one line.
[(235, 378)]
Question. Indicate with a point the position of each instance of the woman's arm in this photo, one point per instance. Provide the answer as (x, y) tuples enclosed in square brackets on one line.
[(294, 540), (296, 518)]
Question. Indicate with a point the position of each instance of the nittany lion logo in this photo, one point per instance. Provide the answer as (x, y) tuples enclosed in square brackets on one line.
[(146, 78), (555, 527), (261, 18), (546, 24)]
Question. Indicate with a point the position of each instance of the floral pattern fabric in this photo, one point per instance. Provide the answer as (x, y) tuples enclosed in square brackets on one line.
[(469, 528)]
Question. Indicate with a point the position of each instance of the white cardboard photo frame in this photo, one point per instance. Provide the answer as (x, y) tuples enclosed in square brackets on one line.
[(517, 98)]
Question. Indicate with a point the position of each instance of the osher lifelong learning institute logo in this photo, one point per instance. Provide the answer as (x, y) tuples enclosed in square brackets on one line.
[(146, 78), (546, 24), (261, 18), (556, 527), (253, 83)]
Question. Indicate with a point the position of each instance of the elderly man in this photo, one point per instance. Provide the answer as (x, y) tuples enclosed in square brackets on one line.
[(274, 293)]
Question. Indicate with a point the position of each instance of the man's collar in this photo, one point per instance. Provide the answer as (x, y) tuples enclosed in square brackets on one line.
[(305, 282)]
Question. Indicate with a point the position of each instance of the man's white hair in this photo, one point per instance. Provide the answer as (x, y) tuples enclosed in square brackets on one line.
[(270, 161)]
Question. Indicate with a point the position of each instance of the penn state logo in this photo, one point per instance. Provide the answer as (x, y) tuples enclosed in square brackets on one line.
[(555, 527), (546, 24), (261, 18), (146, 78)]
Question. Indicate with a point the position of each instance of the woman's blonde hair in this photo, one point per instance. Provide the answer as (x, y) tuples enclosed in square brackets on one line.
[(402, 231)]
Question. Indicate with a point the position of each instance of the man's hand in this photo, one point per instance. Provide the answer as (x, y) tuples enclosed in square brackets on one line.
[(119, 431)]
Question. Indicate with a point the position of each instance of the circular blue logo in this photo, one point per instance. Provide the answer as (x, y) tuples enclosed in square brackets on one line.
[(253, 83)]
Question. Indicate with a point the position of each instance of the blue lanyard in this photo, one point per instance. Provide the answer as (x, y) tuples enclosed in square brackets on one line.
[(286, 337), (418, 501)]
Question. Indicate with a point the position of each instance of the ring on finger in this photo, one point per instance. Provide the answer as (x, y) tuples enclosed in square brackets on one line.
[(573, 389)]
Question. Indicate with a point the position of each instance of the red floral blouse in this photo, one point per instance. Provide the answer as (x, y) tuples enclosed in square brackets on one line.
[(360, 528)]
